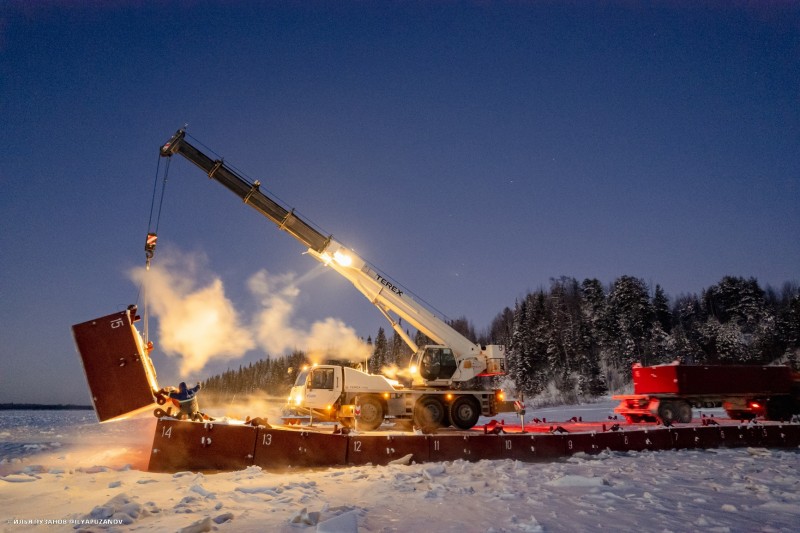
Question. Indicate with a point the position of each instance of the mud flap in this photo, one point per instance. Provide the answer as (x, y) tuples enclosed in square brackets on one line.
[(121, 377)]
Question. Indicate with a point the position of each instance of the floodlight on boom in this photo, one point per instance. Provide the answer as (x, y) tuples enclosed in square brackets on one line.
[(344, 259)]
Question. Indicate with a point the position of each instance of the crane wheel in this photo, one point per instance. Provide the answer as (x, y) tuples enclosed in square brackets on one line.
[(372, 413), (429, 412), (464, 412)]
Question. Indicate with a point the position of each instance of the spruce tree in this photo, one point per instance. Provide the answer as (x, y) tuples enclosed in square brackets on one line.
[(380, 353)]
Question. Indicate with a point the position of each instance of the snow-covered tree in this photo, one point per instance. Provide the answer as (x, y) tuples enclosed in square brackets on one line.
[(630, 316), (663, 316), (380, 352)]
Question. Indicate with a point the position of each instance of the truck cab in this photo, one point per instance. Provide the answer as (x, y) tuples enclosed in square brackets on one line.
[(317, 387), (325, 390)]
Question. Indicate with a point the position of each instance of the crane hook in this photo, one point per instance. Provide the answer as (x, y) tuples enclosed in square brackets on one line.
[(150, 248)]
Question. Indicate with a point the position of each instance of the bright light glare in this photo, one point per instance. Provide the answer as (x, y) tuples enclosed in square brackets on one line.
[(343, 259), (413, 369)]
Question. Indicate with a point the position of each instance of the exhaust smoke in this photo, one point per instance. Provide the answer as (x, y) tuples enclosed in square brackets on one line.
[(197, 322)]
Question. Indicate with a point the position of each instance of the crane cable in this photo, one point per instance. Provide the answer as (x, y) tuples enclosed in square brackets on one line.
[(152, 235)]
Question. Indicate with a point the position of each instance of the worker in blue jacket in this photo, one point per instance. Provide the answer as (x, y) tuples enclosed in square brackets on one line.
[(187, 400)]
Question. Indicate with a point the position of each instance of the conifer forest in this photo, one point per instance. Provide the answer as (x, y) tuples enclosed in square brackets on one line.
[(576, 340)]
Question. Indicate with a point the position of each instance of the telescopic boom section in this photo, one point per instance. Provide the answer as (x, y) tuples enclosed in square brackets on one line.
[(248, 192), (469, 360)]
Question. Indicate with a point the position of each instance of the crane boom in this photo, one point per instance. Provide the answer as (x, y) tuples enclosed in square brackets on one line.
[(248, 192), (455, 359)]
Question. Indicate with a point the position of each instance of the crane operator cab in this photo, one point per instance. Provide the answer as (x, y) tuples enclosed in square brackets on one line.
[(437, 362)]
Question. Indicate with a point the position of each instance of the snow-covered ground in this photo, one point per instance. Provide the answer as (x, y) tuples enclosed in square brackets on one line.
[(64, 468)]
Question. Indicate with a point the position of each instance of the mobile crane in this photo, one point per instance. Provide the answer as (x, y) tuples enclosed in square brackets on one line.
[(440, 392)]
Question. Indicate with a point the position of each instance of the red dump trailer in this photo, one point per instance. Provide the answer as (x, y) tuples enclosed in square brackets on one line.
[(667, 393)]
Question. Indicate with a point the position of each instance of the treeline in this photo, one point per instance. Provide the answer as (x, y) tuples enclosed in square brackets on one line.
[(272, 376), (577, 340), (44, 407), (275, 376)]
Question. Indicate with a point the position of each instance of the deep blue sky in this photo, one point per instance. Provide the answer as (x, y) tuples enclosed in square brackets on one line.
[(471, 150)]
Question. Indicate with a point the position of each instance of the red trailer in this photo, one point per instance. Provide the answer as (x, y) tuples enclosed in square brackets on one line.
[(667, 393)]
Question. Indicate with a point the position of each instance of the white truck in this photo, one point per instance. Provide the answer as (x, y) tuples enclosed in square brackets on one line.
[(443, 388)]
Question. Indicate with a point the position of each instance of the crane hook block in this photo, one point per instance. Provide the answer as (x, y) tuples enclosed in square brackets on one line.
[(150, 247)]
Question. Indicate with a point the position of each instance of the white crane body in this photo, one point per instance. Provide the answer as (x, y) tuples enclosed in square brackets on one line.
[(438, 393)]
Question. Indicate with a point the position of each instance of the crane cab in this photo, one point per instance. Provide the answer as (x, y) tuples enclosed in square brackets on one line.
[(439, 366), (436, 363)]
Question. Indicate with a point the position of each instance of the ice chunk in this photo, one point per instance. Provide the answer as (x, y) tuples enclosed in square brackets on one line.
[(344, 523), (572, 480), (18, 478), (201, 526), (406, 459)]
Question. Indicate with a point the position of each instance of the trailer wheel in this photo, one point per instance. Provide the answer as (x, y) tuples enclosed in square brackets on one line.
[(684, 412), (429, 412), (667, 412), (464, 412), (371, 413)]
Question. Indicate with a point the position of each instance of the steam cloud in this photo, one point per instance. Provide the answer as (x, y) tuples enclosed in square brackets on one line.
[(197, 322)]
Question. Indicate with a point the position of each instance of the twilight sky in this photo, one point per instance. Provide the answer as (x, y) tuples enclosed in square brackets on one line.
[(471, 150)]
